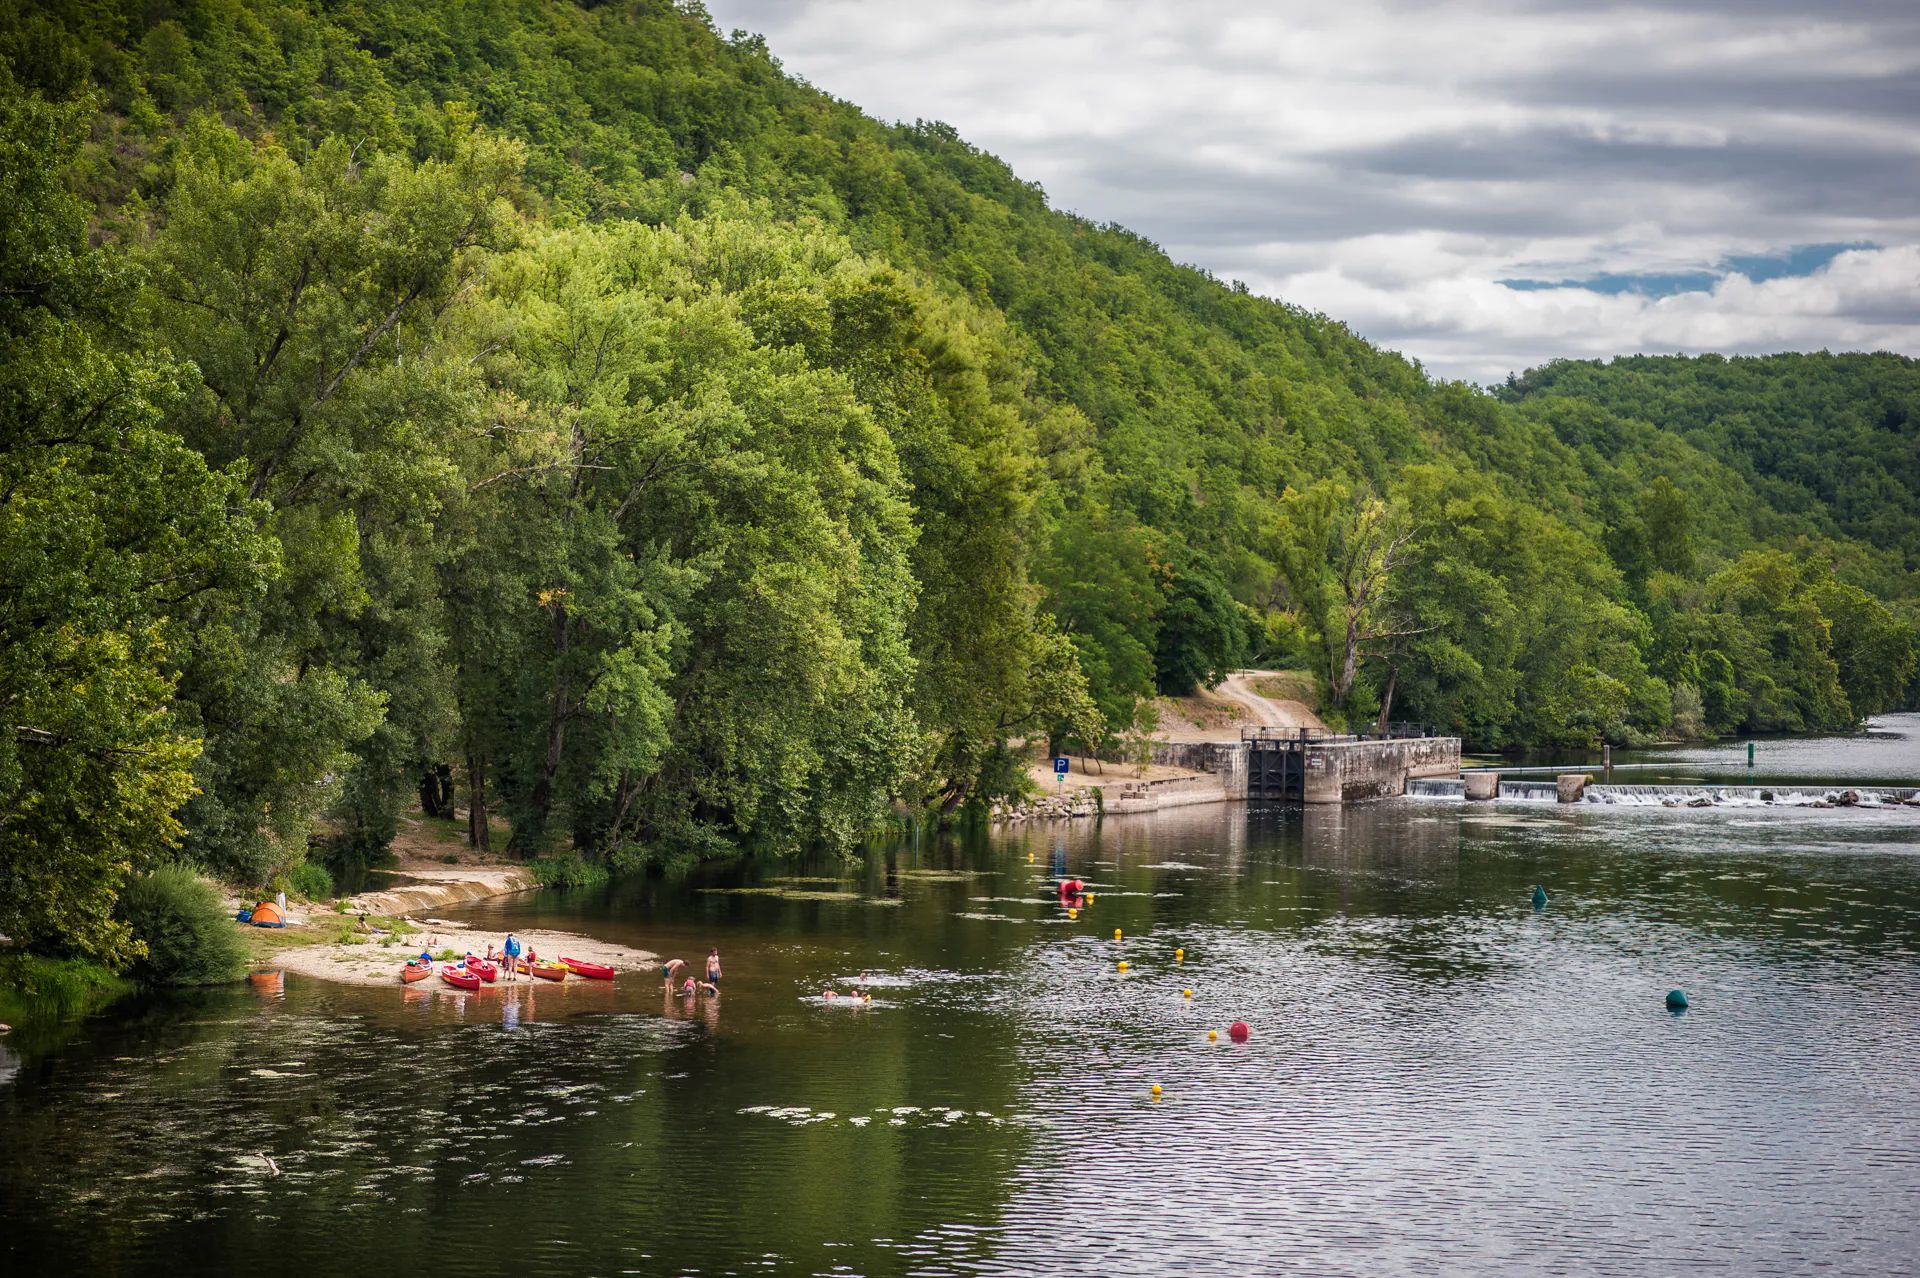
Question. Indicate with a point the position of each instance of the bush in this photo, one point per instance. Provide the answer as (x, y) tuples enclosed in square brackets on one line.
[(567, 871), (190, 940), (60, 985), (311, 881)]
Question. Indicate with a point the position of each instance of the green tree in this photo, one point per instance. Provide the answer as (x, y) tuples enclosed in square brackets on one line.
[(315, 299), (112, 534)]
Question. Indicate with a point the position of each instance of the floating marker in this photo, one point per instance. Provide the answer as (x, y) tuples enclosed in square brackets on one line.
[(1089, 898), (1676, 999), (1073, 914), (1179, 956), (1186, 993), (1539, 898), (1116, 934), (1156, 1089), (1123, 965), (1238, 1031), (1212, 1035)]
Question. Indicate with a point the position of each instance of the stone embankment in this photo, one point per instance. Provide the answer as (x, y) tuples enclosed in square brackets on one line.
[(1052, 807)]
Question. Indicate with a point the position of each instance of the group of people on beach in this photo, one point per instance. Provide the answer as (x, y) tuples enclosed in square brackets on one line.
[(508, 956), (687, 985)]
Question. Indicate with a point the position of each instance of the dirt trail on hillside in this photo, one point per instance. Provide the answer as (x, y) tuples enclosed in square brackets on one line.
[(1267, 712)]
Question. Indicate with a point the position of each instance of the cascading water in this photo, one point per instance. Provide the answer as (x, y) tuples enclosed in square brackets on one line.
[(1749, 795), (1681, 796)]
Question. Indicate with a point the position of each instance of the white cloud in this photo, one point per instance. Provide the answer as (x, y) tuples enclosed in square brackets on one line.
[(1389, 161)]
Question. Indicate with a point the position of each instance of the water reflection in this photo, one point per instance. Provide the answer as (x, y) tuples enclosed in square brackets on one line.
[(1440, 1077)]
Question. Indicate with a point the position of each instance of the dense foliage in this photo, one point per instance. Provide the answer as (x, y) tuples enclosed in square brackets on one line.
[(1831, 439), (188, 935), (561, 408)]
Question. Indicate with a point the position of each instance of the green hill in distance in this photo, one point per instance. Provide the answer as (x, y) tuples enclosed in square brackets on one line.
[(566, 410), (1830, 440)]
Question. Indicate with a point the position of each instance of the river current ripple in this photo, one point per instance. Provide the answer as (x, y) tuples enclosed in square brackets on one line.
[(1440, 1078)]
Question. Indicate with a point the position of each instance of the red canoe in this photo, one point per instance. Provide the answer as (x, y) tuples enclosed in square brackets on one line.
[(461, 977), (580, 967), (482, 969), (415, 971), (545, 971)]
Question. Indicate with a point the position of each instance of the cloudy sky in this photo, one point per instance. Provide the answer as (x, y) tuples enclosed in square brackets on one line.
[(1481, 185)]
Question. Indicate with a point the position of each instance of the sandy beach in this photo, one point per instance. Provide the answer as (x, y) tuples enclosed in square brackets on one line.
[(377, 964)]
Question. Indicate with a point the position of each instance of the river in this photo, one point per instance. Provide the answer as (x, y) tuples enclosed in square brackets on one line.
[(1440, 1077)]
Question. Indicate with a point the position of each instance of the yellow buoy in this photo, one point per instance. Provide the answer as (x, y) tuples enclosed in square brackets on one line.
[(1156, 1089), (1123, 965), (1179, 956), (1116, 934), (1187, 993), (1089, 898), (1073, 914), (1212, 1035)]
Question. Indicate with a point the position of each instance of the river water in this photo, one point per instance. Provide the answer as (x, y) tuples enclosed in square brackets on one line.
[(1440, 1077)]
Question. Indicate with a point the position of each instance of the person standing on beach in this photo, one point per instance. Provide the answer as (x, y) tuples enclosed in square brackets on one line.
[(511, 951)]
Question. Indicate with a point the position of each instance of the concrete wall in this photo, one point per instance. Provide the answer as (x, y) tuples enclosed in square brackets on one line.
[(1225, 759), (1337, 772), (1348, 771)]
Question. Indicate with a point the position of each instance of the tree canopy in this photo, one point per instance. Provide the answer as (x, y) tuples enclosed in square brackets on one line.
[(563, 397)]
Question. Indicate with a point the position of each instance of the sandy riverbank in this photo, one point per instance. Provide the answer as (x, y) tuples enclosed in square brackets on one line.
[(377, 964)]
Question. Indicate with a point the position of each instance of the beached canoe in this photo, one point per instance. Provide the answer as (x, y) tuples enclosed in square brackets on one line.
[(482, 969), (545, 971), (460, 977), (592, 971), (416, 972)]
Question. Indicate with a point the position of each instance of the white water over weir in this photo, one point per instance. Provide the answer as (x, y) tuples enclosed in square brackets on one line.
[(1681, 796)]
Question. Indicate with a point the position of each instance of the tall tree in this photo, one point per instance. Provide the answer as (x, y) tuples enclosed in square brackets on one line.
[(113, 534)]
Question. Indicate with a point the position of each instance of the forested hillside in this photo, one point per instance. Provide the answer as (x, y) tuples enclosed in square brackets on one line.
[(1831, 439), (558, 408)]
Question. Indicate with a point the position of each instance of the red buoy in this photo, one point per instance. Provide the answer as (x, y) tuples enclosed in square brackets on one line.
[(1238, 1031)]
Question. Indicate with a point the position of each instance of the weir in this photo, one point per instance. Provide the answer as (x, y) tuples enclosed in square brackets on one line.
[(1683, 795)]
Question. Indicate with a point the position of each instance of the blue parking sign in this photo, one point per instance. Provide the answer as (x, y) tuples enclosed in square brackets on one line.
[(1061, 764)]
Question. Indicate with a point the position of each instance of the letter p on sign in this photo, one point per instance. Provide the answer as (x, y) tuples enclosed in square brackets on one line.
[(1061, 764)]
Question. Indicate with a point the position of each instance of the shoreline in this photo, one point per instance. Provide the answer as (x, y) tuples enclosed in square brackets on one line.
[(374, 963), (322, 941)]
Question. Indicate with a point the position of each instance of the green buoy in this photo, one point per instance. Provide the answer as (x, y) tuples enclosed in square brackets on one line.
[(1676, 999), (1539, 898)]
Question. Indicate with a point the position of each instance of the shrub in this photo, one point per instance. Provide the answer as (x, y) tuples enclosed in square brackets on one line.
[(190, 940), (567, 871), (60, 985), (311, 881)]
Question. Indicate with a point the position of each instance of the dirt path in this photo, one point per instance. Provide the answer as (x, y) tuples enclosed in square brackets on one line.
[(1266, 712)]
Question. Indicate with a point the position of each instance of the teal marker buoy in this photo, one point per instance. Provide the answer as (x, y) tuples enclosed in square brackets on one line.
[(1676, 999), (1539, 898), (1749, 755)]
